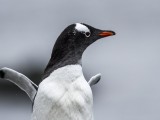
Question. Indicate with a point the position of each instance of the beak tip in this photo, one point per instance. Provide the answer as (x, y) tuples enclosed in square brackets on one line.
[(113, 33)]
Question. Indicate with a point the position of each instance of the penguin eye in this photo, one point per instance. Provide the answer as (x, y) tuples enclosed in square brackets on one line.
[(87, 34)]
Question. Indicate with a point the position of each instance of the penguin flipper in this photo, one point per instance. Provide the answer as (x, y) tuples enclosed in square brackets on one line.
[(94, 79), (20, 80)]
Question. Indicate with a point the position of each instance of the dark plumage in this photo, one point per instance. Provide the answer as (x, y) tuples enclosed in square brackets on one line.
[(2, 74)]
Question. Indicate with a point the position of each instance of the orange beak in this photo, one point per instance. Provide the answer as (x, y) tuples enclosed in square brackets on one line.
[(106, 33)]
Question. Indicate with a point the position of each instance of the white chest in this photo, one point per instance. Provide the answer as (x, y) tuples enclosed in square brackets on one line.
[(64, 95)]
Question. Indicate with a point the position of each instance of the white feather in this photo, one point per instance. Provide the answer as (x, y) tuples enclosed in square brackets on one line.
[(81, 28), (64, 95)]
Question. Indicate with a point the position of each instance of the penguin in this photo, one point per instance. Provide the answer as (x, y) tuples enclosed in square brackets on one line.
[(63, 93)]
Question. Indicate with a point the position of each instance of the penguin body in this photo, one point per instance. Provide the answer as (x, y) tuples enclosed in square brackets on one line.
[(64, 95)]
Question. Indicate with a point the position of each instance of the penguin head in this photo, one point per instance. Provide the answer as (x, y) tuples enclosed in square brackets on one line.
[(71, 44), (80, 36)]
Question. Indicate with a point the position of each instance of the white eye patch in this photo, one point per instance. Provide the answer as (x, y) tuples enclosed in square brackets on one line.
[(81, 28)]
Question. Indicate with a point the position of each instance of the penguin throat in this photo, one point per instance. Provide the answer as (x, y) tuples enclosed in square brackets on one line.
[(61, 58)]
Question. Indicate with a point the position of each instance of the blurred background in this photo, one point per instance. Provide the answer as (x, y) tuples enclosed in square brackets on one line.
[(129, 62)]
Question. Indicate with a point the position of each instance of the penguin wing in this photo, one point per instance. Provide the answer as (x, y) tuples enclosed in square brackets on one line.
[(94, 79), (20, 80)]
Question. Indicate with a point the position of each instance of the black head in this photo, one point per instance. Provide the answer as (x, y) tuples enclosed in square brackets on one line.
[(71, 44), (79, 36)]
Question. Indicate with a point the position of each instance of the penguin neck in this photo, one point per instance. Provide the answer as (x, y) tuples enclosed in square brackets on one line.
[(62, 57)]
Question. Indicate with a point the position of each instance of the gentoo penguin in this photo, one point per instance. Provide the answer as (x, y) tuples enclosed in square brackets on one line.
[(64, 94)]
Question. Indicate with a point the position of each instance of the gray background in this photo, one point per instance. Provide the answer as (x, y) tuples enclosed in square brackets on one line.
[(129, 62)]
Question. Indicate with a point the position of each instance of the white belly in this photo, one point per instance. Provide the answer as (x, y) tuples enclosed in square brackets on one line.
[(64, 95)]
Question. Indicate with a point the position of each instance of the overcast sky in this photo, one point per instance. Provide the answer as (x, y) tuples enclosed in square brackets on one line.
[(129, 62)]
